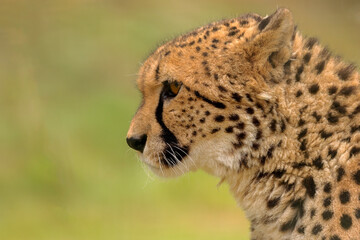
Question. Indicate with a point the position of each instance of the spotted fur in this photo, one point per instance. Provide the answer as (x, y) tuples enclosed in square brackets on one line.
[(270, 112)]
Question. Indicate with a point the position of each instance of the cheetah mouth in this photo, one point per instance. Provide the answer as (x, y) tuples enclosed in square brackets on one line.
[(173, 154)]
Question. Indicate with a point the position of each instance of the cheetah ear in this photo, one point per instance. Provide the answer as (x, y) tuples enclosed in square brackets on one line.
[(274, 38)]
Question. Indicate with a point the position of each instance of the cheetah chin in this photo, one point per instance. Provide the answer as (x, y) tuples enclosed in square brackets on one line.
[(273, 114)]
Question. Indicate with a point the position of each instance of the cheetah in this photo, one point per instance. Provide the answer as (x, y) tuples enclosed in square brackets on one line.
[(272, 113)]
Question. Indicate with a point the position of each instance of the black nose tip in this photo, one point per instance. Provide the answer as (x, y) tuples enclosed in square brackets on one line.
[(137, 143)]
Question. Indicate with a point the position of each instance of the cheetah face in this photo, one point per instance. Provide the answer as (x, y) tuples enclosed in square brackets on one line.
[(200, 92)]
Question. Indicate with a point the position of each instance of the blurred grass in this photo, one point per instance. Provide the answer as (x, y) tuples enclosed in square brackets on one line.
[(67, 95)]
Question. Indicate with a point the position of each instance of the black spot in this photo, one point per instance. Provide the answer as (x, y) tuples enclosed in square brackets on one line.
[(157, 72), (289, 225), (338, 107), (241, 136), (167, 53), (332, 119), (320, 67), (236, 97), (207, 113), (255, 121), (273, 125), (301, 122), (249, 97), (327, 187), (250, 110), (357, 213), (299, 165), (346, 91), (345, 221), (264, 23), (222, 89), (340, 173), (287, 66), (232, 33), (255, 146), (345, 72), (310, 43), (229, 129), (310, 186), (298, 93), (335, 237), (288, 186), (327, 202), (234, 117), (312, 213), (356, 110), (202, 120), (278, 173), (354, 151), (273, 202), (325, 135), (332, 153), (316, 229), (215, 130), (302, 133), (219, 118), (205, 54), (332, 90), (307, 57), (198, 48), (344, 197), (238, 145), (258, 134), (318, 163), (356, 177), (299, 72), (301, 230), (262, 175), (303, 145), (269, 154), (327, 214), (282, 125), (214, 103), (259, 106), (313, 89), (243, 22), (316, 116), (355, 129), (240, 125), (299, 205)]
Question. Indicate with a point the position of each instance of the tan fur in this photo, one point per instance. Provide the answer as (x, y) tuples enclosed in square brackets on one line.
[(272, 113)]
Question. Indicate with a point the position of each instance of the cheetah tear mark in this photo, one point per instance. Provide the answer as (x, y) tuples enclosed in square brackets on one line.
[(173, 152)]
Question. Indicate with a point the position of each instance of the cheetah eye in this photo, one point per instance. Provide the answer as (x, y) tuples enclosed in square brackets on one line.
[(170, 89)]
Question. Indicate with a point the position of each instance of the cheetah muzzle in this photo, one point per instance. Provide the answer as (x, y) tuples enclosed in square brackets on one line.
[(272, 113)]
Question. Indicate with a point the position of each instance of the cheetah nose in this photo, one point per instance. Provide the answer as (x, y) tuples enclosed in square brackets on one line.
[(137, 143)]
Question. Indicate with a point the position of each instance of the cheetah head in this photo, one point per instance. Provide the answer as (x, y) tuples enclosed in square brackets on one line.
[(202, 90)]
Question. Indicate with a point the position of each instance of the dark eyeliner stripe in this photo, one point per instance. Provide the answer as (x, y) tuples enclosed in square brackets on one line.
[(214, 103)]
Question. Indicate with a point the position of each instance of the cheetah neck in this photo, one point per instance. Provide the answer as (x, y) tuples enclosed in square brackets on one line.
[(317, 97)]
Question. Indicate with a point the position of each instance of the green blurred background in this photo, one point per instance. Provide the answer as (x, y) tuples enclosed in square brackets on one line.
[(67, 95)]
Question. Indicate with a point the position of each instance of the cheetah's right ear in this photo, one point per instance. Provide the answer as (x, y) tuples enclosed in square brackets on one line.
[(274, 38)]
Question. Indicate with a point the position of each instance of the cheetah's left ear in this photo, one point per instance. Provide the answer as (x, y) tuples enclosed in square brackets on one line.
[(274, 39)]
